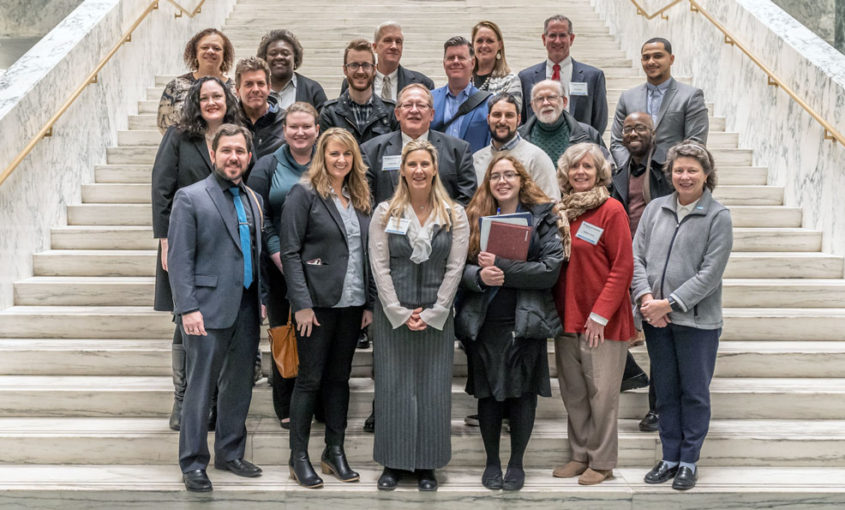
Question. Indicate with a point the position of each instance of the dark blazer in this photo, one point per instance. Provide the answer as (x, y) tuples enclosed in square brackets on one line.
[(659, 184), (204, 253), (309, 91), (590, 109), (312, 230), (404, 77), (454, 164), (268, 133), (474, 129), (578, 131), (338, 113), (180, 162)]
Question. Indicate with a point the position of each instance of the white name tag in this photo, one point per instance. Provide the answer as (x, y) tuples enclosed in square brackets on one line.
[(390, 163), (578, 88), (589, 233), (397, 226)]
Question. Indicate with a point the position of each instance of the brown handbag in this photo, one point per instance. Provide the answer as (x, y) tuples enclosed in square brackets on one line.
[(283, 345)]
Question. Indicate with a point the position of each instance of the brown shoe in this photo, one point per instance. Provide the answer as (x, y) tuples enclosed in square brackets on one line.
[(572, 468), (594, 476)]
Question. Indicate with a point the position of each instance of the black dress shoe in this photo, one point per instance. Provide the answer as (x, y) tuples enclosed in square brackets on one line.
[(685, 479), (638, 381), (649, 422), (363, 341), (370, 423), (514, 479), (196, 481), (660, 473), (333, 461), (492, 478), (389, 479), (239, 467), (285, 424), (303, 472), (426, 480)]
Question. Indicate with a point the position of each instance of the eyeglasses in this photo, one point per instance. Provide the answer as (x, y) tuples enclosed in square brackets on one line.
[(551, 98), (507, 176), (354, 66), (641, 129), (419, 106)]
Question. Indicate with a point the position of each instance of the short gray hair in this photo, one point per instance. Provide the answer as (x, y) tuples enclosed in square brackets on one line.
[(556, 17), (382, 27), (697, 151), (563, 87)]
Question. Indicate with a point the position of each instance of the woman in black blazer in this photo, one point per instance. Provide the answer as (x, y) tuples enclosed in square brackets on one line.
[(183, 158), (324, 254)]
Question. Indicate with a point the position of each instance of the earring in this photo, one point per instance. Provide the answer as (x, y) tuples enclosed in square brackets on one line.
[(498, 55)]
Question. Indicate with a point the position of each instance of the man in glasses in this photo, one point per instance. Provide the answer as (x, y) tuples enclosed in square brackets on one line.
[(357, 109)]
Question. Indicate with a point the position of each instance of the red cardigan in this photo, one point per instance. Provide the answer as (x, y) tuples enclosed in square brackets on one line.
[(598, 277)]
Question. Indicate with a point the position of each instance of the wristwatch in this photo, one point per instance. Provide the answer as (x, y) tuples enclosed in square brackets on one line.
[(674, 304)]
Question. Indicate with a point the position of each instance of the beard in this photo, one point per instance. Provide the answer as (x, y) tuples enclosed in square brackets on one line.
[(503, 139), (221, 173)]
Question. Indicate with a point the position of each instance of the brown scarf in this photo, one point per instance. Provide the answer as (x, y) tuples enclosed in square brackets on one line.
[(575, 204)]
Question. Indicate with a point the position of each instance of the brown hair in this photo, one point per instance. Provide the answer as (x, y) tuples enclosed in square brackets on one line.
[(359, 45), (441, 203), (248, 65), (697, 151), (301, 107), (576, 153), (484, 204), (501, 67), (281, 35), (190, 55), (355, 181), (231, 130)]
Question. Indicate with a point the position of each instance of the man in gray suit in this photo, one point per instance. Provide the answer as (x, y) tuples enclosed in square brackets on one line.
[(214, 249), (677, 109)]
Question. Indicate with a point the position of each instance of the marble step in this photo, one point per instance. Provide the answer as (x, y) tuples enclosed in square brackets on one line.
[(110, 214), (126, 174), (749, 195), (85, 322), (111, 193), (783, 293), (96, 237), (776, 239), (719, 487), (783, 265), (140, 396), (85, 291), (765, 216), (121, 441), (784, 324)]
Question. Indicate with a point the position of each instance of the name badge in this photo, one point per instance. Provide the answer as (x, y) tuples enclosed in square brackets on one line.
[(389, 163), (578, 88), (398, 226), (589, 233)]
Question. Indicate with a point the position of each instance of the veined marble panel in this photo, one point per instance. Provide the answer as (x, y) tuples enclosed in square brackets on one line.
[(33, 198), (784, 137)]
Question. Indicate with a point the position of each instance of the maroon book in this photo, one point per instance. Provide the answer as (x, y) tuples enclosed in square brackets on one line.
[(508, 240)]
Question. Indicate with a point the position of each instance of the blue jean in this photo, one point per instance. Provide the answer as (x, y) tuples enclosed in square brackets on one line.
[(682, 363)]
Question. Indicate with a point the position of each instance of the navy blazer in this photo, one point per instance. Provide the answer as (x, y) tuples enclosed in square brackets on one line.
[(313, 231), (474, 129), (204, 253), (590, 109)]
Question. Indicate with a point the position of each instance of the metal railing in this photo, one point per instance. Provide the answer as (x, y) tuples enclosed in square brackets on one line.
[(47, 129), (829, 132)]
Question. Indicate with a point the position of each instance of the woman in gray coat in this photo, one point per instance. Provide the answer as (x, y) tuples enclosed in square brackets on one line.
[(681, 249), (506, 315)]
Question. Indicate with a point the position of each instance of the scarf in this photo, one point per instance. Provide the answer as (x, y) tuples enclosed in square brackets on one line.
[(573, 205)]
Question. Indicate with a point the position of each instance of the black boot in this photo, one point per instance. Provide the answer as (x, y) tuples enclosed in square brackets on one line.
[(334, 461), (179, 382), (303, 472)]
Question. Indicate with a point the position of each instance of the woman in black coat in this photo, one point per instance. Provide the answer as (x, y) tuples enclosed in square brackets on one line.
[(506, 314), (183, 158)]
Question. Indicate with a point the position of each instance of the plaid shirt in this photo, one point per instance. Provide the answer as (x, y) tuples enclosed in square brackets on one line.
[(362, 113)]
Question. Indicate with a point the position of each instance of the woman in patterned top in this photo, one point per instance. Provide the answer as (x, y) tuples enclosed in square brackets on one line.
[(491, 71)]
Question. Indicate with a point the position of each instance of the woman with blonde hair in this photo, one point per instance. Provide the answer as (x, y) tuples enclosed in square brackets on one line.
[(593, 298), (418, 245), (506, 316), (323, 239), (491, 71)]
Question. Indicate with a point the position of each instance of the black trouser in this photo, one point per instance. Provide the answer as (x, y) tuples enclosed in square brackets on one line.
[(633, 370), (325, 362), (224, 357)]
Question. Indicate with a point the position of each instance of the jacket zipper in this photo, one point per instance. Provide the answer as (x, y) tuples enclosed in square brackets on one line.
[(669, 253)]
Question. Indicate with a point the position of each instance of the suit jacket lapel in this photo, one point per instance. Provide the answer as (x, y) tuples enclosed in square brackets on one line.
[(216, 194), (667, 98), (394, 148), (577, 75), (328, 203), (202, 148)]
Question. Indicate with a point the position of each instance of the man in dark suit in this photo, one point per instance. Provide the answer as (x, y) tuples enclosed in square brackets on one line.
[(415, 113), (390, 76), (282, 51), (470, 123), (677, 109), (358, 110), (587, 92), (214, 252)]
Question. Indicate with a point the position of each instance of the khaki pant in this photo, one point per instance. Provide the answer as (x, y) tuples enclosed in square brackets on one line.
[(589, 385)]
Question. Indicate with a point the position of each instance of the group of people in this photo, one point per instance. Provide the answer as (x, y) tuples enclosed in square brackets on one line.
[(366, 211)]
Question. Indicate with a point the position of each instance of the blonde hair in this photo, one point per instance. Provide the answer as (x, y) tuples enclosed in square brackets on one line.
[(576, 153), (440, 201), (501, 67), (355, 181)]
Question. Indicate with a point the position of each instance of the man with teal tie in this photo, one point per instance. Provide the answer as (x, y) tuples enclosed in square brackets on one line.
[(217, 301)]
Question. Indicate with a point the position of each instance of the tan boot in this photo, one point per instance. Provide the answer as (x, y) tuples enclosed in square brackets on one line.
[(572, 468), (593, 476)]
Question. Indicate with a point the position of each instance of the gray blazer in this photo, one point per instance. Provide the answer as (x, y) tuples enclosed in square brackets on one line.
[(682, 115), (204, 253)]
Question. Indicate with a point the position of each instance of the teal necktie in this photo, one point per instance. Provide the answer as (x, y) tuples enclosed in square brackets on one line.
[(243, 230)]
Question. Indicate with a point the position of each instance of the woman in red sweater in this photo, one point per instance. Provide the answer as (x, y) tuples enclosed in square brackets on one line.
[(593, 301)]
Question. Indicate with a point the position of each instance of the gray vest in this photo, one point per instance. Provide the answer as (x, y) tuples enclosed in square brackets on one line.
[(417, 284)]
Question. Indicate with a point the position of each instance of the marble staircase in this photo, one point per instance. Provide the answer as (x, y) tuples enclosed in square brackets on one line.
[(85, 361)]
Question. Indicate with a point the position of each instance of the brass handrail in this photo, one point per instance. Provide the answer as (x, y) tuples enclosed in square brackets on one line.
[(47, 129), (829, 132)]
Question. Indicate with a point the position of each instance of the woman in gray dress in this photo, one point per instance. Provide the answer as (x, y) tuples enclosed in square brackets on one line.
[(418, 246)]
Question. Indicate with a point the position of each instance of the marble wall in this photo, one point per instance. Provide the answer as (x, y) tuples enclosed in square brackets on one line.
[(817, 15), (33, 198), (784, 137), (33, 18)]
